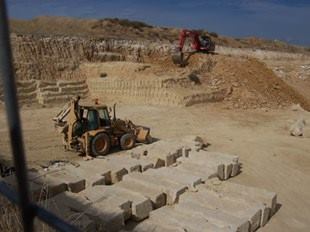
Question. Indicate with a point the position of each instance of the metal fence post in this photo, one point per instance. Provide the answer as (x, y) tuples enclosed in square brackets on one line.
[(7, 76)]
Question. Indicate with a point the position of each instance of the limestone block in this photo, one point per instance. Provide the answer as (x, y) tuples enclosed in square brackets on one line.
[(176, 175), (171, 189), (225, 163), (216, 217), (169, 217), (158, 197), (140, 206), (110, 218), (232, 206), (248, 194)]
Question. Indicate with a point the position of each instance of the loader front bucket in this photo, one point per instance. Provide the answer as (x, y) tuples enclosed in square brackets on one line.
[(143, 134)]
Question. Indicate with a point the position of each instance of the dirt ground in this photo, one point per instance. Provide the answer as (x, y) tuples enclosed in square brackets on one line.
[(271, 158)]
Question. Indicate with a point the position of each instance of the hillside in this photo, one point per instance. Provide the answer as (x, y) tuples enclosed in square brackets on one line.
[(126, 29)]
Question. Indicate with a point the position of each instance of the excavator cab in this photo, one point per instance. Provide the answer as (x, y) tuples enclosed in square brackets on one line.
[(199, 43), (205, 42)]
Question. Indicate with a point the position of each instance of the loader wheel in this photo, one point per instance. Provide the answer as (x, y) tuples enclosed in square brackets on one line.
[(128, 141), (100, 144)]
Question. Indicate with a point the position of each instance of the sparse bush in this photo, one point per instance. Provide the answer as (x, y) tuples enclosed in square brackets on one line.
[(194, 78), (128, 23), (214, 34), (154, 34), (10, 219), (103, 75), (206, 66)]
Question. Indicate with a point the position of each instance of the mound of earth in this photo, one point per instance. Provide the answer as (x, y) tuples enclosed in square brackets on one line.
[(252, 83)]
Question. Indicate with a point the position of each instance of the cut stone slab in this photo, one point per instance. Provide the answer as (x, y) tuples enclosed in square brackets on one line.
[(77, 219), (214, 216), (110, 218), (74, 183), (97, 194), (204, 164), (177, 176), (233, 206), (152, 226), (112, 173), (125, 161), (157, 196), (249, 194), (168, 216), (227, 165), (160, 153), (107, 218), (171, 189), (38, 191), (92, 177), (155, 161), (140, 205), (200, 170), (145, 163)]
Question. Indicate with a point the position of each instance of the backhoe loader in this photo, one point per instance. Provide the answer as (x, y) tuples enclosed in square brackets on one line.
[(91, 130)]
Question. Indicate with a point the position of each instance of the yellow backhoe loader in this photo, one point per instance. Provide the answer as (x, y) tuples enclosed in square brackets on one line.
[(90, 129)]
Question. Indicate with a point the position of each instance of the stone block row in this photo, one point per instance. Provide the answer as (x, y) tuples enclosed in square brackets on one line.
[(215, 206)]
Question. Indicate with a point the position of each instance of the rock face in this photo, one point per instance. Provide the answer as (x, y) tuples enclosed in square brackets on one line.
[(154, 92), (43, 92), (50, 58)]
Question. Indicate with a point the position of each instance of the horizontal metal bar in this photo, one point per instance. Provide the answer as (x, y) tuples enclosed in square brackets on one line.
[(6, 191), (43, 214)]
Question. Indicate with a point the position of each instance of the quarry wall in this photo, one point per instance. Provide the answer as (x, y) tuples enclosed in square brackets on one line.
[(154, 92), (43, 92), (54, 58)]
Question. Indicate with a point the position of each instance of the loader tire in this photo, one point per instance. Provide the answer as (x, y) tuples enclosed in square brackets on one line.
[(100, 144), (128, 141)]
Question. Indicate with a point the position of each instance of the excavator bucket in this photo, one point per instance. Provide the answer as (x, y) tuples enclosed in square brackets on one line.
[(177, 58)]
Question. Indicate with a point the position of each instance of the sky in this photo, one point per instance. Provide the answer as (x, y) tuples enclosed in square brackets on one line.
[(287, 20)]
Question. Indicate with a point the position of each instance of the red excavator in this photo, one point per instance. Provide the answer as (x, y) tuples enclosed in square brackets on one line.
[(199, 43)]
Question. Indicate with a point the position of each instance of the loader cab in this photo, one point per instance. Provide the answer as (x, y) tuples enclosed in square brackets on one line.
[(95, 117)]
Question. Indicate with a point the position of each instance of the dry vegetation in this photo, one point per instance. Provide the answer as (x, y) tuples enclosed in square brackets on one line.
[(10, 219)]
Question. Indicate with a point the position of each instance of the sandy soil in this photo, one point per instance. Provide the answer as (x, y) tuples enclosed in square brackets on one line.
[(271, 158)]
